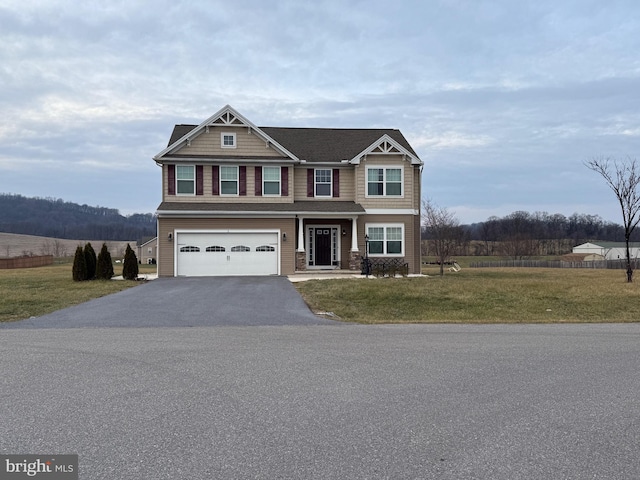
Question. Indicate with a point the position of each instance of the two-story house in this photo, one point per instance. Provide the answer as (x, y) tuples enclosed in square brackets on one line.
[(238, 199)]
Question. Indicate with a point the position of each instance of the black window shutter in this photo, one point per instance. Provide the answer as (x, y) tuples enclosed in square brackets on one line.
[(171, 179), (199, 180), (258, 181), (310, 181)]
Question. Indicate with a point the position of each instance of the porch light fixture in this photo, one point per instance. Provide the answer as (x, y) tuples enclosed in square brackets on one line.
[(170, 236), (284, 236), (344, 232)]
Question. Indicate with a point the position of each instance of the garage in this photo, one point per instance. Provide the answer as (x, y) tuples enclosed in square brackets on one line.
[(204, 254)]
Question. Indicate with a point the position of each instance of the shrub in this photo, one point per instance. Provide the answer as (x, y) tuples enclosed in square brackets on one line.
[(104, 267), (90, 260), (130, 266), (79, 266)]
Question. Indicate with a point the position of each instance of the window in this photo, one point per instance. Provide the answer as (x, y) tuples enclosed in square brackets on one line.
[(386, 240), (189, 248), (240, 248), (323, 186), (265, 248), (215, 248), (384, 182), (185, 180), (228, 180), (271, 181), (228, 140)]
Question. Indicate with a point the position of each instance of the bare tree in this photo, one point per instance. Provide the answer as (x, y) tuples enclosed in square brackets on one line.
[(443, 230), (623, 177)]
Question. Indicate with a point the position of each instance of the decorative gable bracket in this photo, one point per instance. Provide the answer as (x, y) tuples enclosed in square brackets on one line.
[(386, 145)]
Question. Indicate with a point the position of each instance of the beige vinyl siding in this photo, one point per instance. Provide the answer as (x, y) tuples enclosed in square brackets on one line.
[(417, 187), (208, 197), (168, 225), (347, 184), (247, 144), (411, 245), (407, 200)]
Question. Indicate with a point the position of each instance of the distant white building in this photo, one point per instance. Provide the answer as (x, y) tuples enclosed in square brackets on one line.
[(608, 250)]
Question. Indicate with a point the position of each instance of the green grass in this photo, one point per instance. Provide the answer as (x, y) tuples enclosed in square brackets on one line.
[(469, 296), (481, 296), (31, 292)]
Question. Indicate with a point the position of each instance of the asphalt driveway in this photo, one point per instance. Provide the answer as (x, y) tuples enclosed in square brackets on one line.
[(188, 302)]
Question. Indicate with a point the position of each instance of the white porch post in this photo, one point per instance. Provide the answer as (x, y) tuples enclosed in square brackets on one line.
[(354, 234), (300, 235)]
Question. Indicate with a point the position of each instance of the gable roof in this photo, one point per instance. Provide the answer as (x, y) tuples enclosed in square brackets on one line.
[(226, 116), (316, 145)]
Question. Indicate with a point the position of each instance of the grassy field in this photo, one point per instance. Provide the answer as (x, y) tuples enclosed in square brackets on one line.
[(469, 296), (32, 292), (481, 296)]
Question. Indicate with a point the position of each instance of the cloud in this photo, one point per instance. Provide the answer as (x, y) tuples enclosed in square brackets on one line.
[(503, 100)]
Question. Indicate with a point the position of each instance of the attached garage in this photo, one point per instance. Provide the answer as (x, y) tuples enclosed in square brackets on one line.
[(215, 253)]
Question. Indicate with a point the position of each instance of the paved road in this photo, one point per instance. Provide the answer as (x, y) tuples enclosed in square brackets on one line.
[(188, 302), (327, 402)]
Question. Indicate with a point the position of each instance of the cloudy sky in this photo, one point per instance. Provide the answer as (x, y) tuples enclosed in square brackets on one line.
[(502, 99)]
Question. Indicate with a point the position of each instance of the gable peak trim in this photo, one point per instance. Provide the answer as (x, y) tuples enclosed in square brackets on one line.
[(227, 116), (386, 145)]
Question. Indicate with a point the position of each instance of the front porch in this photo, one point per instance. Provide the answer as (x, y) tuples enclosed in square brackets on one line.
[(327, 244)]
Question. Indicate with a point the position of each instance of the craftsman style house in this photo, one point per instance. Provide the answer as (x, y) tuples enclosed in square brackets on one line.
[(238, 199)]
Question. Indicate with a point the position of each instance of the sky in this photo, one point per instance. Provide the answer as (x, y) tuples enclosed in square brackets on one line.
[(503, 100)]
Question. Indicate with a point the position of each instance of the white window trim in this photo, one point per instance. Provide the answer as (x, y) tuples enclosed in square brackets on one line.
[(384, 240), (183, 180), (228, 134), (237, 182), (315, 190), (279, 183), (384, 181)]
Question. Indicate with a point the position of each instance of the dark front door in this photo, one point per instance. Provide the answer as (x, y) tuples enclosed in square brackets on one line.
[(323, 246)]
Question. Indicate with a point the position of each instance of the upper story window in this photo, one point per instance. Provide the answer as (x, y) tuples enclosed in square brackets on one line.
[(228, 140), (185, 179), (228, 180), (384, 182), (323, 187), (271, 181), (386, 239)]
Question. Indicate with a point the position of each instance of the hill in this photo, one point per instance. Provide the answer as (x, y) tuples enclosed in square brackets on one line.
[(15, 245), (50, 217)]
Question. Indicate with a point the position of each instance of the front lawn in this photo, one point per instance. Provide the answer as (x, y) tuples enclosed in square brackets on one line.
[(32, 292), (481, 296)]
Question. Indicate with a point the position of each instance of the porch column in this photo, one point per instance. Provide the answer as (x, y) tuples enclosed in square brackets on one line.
[(300, 235), (354, 234)]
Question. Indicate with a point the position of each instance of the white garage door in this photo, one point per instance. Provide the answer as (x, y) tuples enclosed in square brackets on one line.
[(210, 254)]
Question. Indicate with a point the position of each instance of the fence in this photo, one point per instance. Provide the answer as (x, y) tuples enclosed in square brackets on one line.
[(26, 262), (608, 264)]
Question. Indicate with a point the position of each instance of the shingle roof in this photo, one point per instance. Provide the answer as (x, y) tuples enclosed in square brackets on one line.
[(330, 207), (331, 144), (320, 144)]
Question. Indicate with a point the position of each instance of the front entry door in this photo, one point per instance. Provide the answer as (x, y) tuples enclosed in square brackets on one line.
[(323, 246)]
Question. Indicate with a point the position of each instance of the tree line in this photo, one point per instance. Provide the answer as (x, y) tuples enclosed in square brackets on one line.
[(523, 234), (50, 217)]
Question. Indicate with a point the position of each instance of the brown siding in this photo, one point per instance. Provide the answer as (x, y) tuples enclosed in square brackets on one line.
[(168, 225)]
